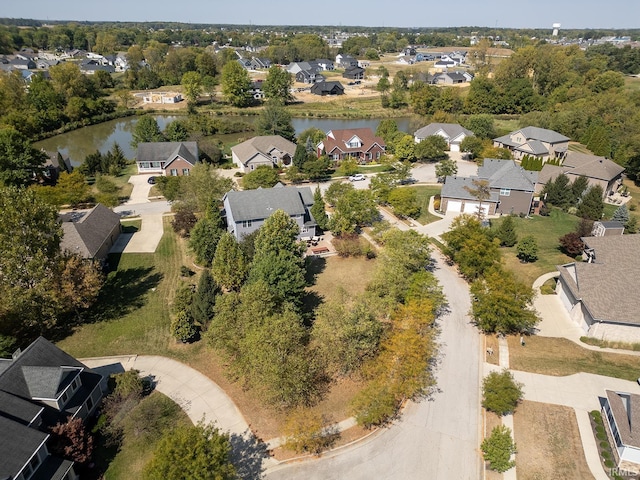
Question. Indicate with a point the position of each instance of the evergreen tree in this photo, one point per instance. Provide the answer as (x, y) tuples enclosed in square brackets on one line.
[(578, 187), (621, 214), (507, 232), (230, 264), (318, 209), (204, 299), (528, 249), (558, 192), (592, 205)]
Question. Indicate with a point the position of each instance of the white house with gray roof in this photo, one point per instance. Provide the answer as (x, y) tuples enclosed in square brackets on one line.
[(535, 142), (246, 211), (269, 150), (621, 412), (451, 132), (601, 293)]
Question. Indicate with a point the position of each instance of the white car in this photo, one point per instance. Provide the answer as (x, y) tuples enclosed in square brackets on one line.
[(356, 177)]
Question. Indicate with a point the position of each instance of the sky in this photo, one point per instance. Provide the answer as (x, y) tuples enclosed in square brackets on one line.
[(373, 13)]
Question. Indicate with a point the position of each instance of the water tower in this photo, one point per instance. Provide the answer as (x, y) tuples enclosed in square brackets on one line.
[(556, 27)]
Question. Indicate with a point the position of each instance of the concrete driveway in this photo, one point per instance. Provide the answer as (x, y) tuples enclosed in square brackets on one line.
[(434, 439), (198, 396), (141, 189)]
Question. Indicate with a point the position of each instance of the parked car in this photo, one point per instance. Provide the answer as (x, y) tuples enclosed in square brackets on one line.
[(357, 177), (151, 180)]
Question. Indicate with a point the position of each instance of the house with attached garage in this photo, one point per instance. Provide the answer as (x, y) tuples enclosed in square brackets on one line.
[(90, 233), (601, 292), (358, 143), (167, 158), (597, 170), (269, 150), (621, 415), (535, 142), (246, 211), (354, 73), (511, 190), (451, 132), (39, 388)]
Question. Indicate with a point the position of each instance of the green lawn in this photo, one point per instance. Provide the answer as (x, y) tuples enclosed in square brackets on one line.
[(425, 192), (546, 231), (132, 312)]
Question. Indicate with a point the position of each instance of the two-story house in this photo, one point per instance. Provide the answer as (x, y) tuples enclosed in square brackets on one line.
[(535, 142), (359, 143)]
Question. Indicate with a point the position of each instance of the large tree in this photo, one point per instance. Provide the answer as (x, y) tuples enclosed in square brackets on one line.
[(205, 235), (275, 120), (318, 209), (277, 85), (262, 177), (20, 163), (192, 451), (592, 206), (431, 149), (236, 84), (192, 88), (146, 130)]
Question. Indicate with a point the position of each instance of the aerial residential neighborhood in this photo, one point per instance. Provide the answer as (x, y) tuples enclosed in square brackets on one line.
[(266, 251)]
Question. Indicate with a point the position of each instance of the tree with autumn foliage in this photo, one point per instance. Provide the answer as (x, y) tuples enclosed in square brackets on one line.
[(72, 441)]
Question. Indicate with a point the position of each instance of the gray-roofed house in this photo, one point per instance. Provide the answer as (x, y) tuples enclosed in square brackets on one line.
[(40, 387), (535, 142), (246, 211), (167, 158), (90, 233), (598, 170), (327, 88), (451, 132), (511, 190), (269, 150), (354, 73), (601, 293), (621, 411)]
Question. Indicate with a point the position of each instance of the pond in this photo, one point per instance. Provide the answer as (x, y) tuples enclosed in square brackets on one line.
[(84, 141)]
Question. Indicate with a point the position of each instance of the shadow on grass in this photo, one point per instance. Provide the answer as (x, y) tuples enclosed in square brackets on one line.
[(123, 292), (310, 303), (247, 455), (315, 266)]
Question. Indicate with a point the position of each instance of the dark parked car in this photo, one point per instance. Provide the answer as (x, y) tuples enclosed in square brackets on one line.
[(151, 180)]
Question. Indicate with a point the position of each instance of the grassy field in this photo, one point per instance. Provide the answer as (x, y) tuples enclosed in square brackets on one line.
[(132, 315), (548, 442), (560, 357), (546, 231), (425, 192), (632, 83)]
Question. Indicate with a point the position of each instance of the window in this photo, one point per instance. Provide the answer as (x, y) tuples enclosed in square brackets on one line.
[(246, 223), (185, 172), (64, 398), (505, 192), (89, 404), (174, 172)]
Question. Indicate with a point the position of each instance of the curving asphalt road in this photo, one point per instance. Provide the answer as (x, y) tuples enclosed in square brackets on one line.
[(435, 439)]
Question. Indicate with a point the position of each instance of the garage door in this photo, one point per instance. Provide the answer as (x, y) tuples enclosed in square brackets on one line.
[(454, 206), (564, 298), (472, 207), (454, 147)]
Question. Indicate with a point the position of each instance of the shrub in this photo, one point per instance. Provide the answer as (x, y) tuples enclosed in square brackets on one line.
[(501, 393), (183, 327), (609, 464), (600, 429), (350, 245), (605, 454), (604, 444), (376, 404), (527, 249), (309, 432), (183, 221), (186, 271), (601, 436), (498, 448)]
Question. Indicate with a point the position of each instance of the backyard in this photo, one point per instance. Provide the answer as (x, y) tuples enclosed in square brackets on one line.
[(546, 231)]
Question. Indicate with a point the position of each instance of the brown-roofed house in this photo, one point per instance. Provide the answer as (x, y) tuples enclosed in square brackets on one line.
[(598, 170), (358, 143), (601, 293), (269, 150), (90, 233), (621, 411)]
